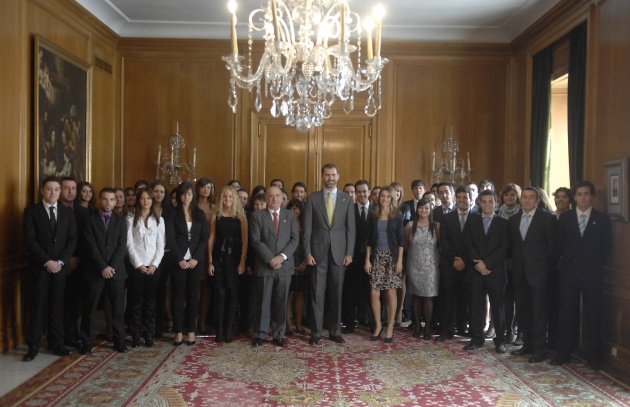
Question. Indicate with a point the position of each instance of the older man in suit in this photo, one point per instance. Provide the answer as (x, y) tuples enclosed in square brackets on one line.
[(585, 241), (329, 234), (487, 242), (274, 236), (106, 240), (532, 235), (50, 234)]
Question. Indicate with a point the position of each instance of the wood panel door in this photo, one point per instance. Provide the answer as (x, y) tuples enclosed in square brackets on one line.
[(280, 151)]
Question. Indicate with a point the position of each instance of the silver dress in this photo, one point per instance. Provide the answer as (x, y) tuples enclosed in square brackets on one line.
[(422, 263)]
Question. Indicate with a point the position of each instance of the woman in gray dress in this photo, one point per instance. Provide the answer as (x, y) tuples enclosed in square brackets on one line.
[(421, 241)]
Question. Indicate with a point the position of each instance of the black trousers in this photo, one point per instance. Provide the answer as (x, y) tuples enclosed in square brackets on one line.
[(453, 297), (72, 305), (91, 295), (531, 308), (351, 295), (569, 320), (143, 302), (161, 290), (478, 292), (185, 289), (48, 295)]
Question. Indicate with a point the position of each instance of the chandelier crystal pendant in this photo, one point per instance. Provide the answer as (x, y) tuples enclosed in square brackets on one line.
[(308, 61)]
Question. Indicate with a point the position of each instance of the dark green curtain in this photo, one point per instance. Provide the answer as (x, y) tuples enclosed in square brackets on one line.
[(576, 101), (541, 105)]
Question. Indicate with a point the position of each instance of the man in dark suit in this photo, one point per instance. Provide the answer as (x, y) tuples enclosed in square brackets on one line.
[(532, 235), (487, 242), (446, 194), (585, 241), (408, 208), (356, 284), (329, 234), (453, 264), (72, 300), (50, 234), (274, 236), (106, 240)]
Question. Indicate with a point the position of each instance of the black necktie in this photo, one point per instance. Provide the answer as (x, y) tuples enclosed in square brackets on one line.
[(53, 219), (106, 219), (363, 214)]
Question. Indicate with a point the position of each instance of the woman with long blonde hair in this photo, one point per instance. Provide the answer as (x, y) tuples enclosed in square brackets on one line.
[(227, 248)]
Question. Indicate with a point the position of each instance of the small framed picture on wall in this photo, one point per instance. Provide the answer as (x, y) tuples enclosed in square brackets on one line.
[(617, 188)]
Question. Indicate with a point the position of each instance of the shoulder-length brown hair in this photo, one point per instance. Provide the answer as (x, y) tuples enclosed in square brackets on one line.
[(137, 215), (394, 212)]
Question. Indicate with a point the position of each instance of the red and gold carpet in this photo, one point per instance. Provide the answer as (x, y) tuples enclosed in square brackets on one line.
[(409, 372)]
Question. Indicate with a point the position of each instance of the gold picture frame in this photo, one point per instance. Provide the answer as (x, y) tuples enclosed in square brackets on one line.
[(62, 122)]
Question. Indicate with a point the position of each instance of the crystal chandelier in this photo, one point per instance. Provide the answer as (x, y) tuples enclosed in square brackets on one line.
[(307, 63), (171, 166), (450, 169)]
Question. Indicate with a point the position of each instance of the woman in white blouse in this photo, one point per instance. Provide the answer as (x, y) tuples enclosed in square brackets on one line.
[(145, 246)]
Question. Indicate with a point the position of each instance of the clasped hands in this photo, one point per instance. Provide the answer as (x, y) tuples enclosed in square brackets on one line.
[(310, 260), (481, 267)]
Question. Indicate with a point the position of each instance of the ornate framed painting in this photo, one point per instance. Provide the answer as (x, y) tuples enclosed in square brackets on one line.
[(62, 128), (617, 188)]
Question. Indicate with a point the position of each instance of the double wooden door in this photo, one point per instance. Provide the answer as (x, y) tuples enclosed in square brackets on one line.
[(280, 151)]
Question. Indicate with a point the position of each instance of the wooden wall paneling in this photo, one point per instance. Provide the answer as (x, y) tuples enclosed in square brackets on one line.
[(432, 96)]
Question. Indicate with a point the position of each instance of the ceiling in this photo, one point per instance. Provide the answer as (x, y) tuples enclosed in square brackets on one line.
[(489, 21)]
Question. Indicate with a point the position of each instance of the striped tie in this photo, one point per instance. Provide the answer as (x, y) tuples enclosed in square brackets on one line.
[(582, 224)]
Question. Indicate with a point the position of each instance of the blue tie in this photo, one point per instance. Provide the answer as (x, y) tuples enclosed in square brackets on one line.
[(525, 224), (582, 224)]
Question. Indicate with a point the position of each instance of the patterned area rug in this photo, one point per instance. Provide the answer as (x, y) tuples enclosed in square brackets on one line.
[(409, 372)]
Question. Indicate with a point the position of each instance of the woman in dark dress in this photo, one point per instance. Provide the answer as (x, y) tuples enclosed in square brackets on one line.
[(190, 241), (228, 250)]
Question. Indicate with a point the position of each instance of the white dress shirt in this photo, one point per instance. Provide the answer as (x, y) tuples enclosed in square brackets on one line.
[(145, 244)]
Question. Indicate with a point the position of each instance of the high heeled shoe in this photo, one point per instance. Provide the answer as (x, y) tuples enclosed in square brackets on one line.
[(390, 339), (375, 338)]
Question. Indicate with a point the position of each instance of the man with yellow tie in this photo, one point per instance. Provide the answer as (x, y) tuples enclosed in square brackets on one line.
[(329, 234)]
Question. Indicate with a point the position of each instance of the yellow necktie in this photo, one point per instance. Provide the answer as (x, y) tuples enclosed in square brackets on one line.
[(329, 208)]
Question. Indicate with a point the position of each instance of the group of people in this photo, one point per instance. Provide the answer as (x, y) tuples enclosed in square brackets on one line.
[(361, 255)]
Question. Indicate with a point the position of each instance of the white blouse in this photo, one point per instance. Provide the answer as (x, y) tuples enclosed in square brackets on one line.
[(145, 244)]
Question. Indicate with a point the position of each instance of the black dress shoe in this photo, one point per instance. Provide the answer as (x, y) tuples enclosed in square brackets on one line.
[(86, 350), (175, 343), (30, 355), (595, 365), (375, 338), (416, 333), (158, 335), (72, 343), (444, 338), (314, 340), (472, 346), (522, 352), (148, 342), (257, 342), (135, 342), (122, 348), (348, 330), (337, 338), (537, 358), (280, 342), (61, 351), (500, 349)]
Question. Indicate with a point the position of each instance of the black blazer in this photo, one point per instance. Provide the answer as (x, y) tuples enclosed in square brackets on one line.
[(46, 244), (361, 239), (438, 213), (536, 256), (81, 215), (106, 247), (406, 208), (199, 234), (451, 239), (584, 257), (491, 248), (395, 235)]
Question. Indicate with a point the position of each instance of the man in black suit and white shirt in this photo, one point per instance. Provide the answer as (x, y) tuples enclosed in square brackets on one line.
[(532, 235), (487, 241), (453, 264), (106, 240), (585, 241), (274, 236), (408, 208), (446, 194), (329, 234), (50, 234)]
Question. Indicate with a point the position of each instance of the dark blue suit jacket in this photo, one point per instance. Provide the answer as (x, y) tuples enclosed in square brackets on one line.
[(491, 248)]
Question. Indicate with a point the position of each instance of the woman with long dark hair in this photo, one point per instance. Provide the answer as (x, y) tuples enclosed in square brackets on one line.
[(145, 247), (205, 202), (189, 246), (227, 248), (85, 196), (423, 273), (384, 258)]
